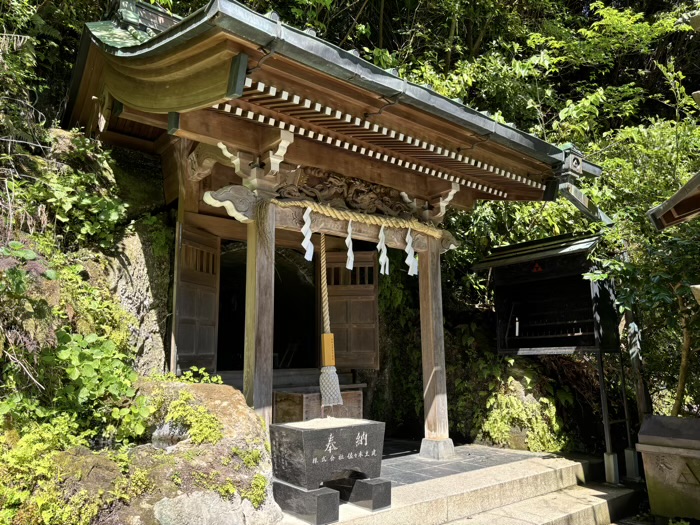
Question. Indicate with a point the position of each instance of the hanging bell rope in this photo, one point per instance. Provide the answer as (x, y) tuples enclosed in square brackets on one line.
[(328, 382)]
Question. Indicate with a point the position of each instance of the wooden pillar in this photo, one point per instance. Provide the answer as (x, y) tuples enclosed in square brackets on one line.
[(260, 307), (176, 274), (174, 164), (437, 443)]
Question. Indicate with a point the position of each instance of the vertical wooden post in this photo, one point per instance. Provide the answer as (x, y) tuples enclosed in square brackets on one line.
[(260, 307), (437, 443), (174, 161), (176, 277), (612, 474)]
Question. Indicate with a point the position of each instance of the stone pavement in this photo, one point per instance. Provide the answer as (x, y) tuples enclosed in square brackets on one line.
[(402, 465)]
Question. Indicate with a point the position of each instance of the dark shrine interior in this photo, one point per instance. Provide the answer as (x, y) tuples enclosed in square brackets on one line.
[(296, 326)]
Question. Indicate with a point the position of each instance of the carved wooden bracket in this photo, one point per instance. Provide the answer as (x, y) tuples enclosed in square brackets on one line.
[(261, 173), (105, 111), (440, 202), (202, 160), (238, 201)]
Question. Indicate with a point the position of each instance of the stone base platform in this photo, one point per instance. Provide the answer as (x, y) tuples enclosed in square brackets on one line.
[(491, 485)]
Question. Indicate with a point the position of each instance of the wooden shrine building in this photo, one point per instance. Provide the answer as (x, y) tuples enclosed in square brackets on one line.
[(270, 136)]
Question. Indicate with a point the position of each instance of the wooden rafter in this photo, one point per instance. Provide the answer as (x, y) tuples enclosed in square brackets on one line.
[(363, 129)]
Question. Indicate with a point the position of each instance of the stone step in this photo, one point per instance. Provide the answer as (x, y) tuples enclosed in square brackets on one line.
[(599, 504), (443, 500)]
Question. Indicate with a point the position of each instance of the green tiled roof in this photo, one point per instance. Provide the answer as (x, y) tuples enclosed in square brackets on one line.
[(113, 35)]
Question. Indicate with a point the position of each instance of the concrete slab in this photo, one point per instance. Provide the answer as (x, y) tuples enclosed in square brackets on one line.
[(452, 497), (599, 504)]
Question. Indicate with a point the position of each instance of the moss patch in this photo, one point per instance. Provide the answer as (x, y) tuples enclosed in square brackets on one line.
[(257, 492), (538, 418), (202, 425), (250, 458)]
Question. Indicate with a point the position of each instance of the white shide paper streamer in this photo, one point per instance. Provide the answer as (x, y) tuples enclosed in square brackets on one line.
[(306, 230), (411, 259), (383, 258), (348, 242)]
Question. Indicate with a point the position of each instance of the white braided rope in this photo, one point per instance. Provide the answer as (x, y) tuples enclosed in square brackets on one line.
[(330, 387)]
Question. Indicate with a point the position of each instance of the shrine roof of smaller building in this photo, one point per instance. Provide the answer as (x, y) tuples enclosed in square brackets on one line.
[(226, 58), (682, 206), (567, 244)]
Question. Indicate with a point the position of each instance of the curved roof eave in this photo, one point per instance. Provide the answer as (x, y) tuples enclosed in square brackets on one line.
[(327, 58)]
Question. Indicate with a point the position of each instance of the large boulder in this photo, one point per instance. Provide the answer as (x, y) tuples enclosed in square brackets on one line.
[(225, 479), (238, 421)]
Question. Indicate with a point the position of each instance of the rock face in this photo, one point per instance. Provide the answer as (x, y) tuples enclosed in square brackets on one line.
[(141, 273), (239, 422), (199, 508), (223, 482), (139, 278)]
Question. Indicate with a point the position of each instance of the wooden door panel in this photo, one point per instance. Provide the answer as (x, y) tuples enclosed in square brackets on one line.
[(363, 337), (206, 337), (187, 301), (352, 297), (187, 335), (197, 299), (363, 310), (338, 310), (207, 306)]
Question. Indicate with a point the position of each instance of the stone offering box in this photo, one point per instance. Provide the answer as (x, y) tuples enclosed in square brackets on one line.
[(319, 462), (670, 448)]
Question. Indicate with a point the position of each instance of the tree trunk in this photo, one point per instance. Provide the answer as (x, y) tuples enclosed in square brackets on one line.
[(685, 361), (634, 349), (450, 42), (381, 25)]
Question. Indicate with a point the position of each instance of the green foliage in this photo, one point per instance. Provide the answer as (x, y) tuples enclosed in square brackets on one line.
[(50, 507), (135, 484), (37, 482), (77, 190), (538, 418), (24, 313), (398, 300), (20, 122), (193, 375), (160, 238), (50, 371), (227, 489), (29, 460), (101, 382), (202, 425), (85, 376), (251, 458), (257, 492)]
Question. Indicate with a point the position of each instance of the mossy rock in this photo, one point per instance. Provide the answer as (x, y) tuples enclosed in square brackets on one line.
[(149, 486), (229, 476), (227, 404), (187, 478)]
